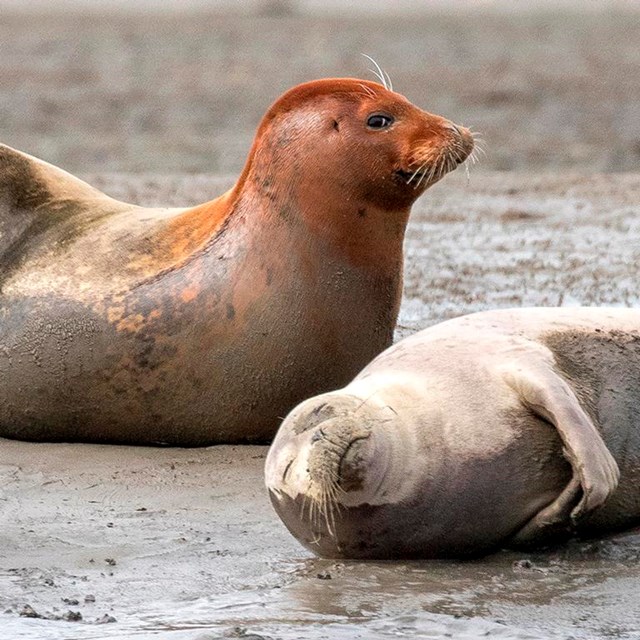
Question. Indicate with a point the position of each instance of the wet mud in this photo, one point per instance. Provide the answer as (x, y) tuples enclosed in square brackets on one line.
[(550, 85), (123, 542)]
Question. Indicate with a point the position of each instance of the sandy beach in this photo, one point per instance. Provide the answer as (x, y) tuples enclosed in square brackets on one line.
[(106, 542)]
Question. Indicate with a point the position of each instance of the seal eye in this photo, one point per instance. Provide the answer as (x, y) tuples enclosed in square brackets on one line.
[(379, 121)]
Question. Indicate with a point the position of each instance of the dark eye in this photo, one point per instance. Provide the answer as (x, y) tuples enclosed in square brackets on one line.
[(379, 121)]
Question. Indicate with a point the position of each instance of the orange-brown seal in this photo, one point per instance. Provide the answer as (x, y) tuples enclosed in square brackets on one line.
[(126, 324)]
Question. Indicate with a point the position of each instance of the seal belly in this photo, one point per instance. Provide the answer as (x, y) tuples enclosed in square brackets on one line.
[(177, 362)]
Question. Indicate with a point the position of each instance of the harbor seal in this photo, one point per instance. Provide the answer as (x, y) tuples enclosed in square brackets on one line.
[(497, 429), (194, 326)]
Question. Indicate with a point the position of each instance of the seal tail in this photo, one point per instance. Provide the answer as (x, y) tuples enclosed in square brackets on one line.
[(35, 195)]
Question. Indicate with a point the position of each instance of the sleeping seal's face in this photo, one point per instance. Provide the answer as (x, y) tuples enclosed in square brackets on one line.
[(333, 470)]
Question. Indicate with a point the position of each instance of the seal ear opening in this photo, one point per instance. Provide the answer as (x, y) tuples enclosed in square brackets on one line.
[(336, 125)]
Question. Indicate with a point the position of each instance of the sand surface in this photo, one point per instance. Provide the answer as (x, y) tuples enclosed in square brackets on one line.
[(183, 544)]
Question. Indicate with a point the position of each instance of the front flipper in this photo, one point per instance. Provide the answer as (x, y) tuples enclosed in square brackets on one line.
[(595, 471)]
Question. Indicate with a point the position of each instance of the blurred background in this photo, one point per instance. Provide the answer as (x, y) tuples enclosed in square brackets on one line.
[(179, 86)]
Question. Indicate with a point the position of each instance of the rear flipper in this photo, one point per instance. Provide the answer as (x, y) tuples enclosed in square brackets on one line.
[(34, 196)]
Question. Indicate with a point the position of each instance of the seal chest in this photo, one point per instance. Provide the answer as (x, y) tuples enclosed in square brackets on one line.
[(208, 324)]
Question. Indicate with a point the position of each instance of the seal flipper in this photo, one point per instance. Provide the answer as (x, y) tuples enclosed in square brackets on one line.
[(595, 471), (35, 195)]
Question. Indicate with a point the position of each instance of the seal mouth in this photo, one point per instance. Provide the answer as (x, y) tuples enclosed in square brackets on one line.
[(409, 175)]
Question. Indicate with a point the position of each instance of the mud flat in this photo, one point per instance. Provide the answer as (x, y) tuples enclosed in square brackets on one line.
[(123, 542)]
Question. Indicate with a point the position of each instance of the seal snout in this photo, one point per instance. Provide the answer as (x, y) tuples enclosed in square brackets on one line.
[(336, 459), (440, 147), (462, 141)]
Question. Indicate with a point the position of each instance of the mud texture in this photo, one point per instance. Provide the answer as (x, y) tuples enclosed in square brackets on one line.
[(122, 542)]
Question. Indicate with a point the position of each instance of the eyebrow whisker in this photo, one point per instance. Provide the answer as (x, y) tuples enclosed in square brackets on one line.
[(378, 72)]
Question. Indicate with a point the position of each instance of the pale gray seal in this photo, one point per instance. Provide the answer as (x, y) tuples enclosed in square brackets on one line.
[(500, 428)]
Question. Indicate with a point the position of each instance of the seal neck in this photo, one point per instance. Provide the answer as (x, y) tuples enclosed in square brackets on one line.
[(339, 225)]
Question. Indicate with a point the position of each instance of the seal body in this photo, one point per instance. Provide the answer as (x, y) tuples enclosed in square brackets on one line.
[(503, 428), (127, 324)]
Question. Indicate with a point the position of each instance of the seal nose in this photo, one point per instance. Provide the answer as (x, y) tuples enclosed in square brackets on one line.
[(463, 137), (336, 454)]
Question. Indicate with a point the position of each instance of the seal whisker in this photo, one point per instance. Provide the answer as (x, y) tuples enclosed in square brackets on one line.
[(416, 172), (378, 72), (429, 176), (388, 77), (334, 492), (478, 146), (421, 178), (307, 502), (326, 508), (474, 155), (364, 402), (443, 166), (369, 91), (328, 513), (316, 539)]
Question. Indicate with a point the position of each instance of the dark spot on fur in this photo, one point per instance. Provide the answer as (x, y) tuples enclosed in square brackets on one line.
[(286, 212), (362, 212), (319, 408), (318, 415), (144, 352), (231, 312), (269, 277), (283, 140)]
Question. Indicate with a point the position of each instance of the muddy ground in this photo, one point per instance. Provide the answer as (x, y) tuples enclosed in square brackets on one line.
[(120, 542), (183, 544)]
